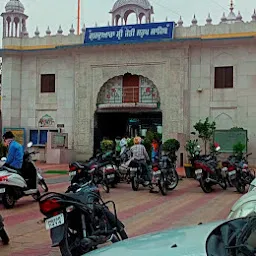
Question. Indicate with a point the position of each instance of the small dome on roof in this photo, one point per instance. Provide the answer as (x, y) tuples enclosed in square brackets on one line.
[(14, 6), (142, 3)]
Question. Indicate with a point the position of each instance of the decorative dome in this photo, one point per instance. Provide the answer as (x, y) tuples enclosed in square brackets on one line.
[(180, 22), (142, 3), (209, 19), (14, 6), (231, 18)]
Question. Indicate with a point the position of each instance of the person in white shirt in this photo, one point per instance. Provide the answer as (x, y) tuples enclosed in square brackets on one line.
[(123, 144)]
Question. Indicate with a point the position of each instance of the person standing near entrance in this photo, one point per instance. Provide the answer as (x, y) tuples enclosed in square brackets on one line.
[(117, 146), (123, 144), (155, 150)]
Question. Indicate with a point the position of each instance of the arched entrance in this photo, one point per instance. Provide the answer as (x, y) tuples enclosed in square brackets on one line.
[(127, 104)]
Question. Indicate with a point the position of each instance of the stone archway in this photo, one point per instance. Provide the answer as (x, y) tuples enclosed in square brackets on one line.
[(136, 89), (123, 99)]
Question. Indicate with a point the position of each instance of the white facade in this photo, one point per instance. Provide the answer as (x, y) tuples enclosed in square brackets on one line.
[(181, 70)]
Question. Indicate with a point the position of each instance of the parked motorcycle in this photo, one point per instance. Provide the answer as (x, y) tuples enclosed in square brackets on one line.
[(79, 221), (241, 175), (124, 166), (102, 168), (3, 234), (165, 175), (208, 173), (16, 184)]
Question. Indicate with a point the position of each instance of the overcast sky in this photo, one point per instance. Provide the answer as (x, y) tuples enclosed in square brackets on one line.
[(64, 12)]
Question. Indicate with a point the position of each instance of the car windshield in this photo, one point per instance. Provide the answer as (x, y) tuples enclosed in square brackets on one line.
[(233, 238)]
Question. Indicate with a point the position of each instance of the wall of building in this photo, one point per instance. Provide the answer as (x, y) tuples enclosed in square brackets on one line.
[(166, 68), (177, 69), (228, 107), (23, 104)]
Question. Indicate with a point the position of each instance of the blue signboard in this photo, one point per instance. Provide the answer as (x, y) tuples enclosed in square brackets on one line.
[(130, 33)]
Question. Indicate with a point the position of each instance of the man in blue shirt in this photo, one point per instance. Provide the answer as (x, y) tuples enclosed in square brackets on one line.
[(15, 151)]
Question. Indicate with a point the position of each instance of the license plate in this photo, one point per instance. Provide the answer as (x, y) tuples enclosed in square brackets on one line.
[(2, 190), (199, 171), (232, 173), (111, 176), (72, 173), (54, 222)]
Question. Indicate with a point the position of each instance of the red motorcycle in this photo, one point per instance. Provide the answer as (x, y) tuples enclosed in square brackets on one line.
[(208, 173), (239, 175)]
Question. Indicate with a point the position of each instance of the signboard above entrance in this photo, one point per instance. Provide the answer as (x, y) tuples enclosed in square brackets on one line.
[(137, 33)]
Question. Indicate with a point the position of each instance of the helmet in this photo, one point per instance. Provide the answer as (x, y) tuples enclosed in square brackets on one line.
[(8, 135), (137, 140)]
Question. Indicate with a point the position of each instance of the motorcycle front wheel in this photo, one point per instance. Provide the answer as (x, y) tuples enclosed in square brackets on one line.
[(135, 183), (206, 187), (162, 184), (172, 180), (240, 187), (105, 186)]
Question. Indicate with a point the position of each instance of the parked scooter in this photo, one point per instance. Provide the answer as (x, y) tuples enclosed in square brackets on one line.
[(3, 234), (16, 184), (208, 172)]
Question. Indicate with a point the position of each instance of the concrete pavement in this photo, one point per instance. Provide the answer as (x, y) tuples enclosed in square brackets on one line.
[(141, 212)]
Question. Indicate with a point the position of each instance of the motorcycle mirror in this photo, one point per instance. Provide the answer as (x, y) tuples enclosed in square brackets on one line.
[(218, 148), (30, 144), (3, 159)]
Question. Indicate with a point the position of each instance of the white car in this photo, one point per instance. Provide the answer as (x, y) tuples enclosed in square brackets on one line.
[(246, 204), (252, 186)]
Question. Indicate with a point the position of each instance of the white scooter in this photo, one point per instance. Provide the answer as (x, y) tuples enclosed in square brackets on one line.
[(13, 185)]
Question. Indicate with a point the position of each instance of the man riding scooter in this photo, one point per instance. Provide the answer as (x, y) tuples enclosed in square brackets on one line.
[(15, 152), (15, 159)]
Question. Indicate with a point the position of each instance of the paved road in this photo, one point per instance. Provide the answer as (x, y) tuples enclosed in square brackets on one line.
[(141, 212)]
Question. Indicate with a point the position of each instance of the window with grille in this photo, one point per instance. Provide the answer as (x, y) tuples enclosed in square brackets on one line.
[(223, 77), (48, 83)]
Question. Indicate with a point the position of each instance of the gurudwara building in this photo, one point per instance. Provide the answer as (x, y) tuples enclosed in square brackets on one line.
[(107, 81)]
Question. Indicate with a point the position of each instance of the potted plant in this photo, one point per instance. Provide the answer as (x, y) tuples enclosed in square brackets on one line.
[(205, 131), (238, 150), (193, 150), (106, 145), (171, 146)]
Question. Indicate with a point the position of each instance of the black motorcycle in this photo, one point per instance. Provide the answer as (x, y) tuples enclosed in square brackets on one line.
[(164, 174), (79, 221), (244, 176), (3, 235), (101, 167)]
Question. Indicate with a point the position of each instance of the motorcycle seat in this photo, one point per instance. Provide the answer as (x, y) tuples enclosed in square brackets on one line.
[(82, 196), (11, 170), (83, 165)]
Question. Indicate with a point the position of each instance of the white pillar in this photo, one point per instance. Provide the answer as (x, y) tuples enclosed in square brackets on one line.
[(12, 25), (20, 28), (4, 27)]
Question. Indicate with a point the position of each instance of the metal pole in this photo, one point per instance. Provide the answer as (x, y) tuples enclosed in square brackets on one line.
[(78, 16)]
